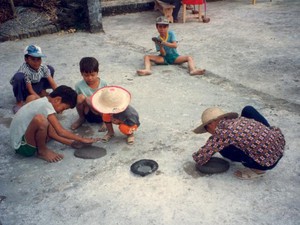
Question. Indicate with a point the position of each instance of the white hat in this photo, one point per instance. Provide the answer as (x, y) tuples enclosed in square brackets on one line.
[(211, 114), (34, 50), (110, 99)]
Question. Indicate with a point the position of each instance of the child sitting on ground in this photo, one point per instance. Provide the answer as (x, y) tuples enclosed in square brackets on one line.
[(36, 122), (89, 68), (166, 43), (113, 103), (33, 78)]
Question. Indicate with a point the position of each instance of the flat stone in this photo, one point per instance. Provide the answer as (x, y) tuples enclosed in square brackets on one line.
[(90, 152)]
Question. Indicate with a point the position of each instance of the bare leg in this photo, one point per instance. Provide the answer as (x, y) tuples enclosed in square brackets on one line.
[(36, 135), (53, 135), (191, 65), (102, 128), (110, 132), (147, 61), (80, 109)]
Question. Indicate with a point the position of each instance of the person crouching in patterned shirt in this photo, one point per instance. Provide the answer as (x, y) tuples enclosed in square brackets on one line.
[(248, 139)]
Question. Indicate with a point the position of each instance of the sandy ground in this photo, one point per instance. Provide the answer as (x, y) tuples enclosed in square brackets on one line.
[(251, 54)]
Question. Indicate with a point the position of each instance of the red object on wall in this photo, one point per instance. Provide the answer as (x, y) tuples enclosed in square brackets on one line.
[(192, 2)]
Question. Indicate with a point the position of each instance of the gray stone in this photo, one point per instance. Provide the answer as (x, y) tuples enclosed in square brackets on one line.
[(95, 16), (91, 152)]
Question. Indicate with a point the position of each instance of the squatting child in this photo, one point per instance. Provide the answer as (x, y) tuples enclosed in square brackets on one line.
[(91, 82), (36, 123), (248, 139), (32, 78), (113, 103), (166, 44)]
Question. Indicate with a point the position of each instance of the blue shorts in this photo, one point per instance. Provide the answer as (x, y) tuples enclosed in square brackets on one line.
[(170, 59), (26, 149)]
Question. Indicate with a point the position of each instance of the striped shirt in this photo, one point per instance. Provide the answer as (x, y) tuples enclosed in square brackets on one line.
[(263, 144), (31, 75)]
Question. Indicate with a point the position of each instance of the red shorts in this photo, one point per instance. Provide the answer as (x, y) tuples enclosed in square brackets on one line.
[(125, 129)]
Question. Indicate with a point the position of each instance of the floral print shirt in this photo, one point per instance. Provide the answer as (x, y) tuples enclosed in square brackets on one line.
[(263, 144)]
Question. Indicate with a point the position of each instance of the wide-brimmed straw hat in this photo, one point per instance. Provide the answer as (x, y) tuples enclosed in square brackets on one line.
[(211, 114), (110, 99)]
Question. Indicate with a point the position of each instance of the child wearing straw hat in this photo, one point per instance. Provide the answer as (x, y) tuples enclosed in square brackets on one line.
[(248, 139), (113, 103)]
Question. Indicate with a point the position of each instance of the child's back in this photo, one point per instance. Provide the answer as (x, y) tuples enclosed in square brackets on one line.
[(24, 116)]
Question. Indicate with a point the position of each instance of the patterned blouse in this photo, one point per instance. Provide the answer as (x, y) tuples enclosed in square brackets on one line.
[(263, 144)]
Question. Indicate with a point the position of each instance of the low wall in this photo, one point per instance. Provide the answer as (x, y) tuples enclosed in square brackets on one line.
[(70, 14), (74, 14)]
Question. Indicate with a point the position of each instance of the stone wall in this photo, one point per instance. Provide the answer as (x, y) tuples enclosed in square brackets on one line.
[(74, 14), (70, 14)]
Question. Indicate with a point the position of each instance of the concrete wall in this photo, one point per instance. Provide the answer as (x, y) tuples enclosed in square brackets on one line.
[(74, 14)]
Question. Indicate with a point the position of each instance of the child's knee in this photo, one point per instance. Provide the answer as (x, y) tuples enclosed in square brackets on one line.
[(80, 98), (19, 77), (41, 120), (189, 58)]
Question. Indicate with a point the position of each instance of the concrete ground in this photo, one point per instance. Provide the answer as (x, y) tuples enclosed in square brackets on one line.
[(252, 57)]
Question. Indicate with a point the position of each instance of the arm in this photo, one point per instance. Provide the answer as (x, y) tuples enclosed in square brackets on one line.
[(213, 145), (52, 82), (109, 126), (31, 91), (168, 44), (67, 134)]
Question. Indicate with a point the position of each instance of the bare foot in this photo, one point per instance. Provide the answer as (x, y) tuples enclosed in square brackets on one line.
[(197, 72), (50, 156), (102, 128), (130, 139), (107, 137), (77, 123), (143, 72), (248, 174)]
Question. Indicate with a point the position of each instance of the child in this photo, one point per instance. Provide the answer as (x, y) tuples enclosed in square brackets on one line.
[(89, 68), (177, 4), (113, 103), (248, 139), (36, 122), (33, 78), (166, 43)]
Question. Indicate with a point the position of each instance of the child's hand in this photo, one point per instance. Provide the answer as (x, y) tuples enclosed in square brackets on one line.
[(90, 140), (156, 40), (84, 143)]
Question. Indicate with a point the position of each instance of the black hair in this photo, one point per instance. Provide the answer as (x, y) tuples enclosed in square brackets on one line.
[(67, 94), (89, 65)]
